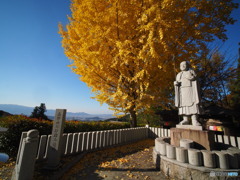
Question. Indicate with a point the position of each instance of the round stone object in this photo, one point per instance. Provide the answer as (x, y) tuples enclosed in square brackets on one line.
[(158, 142), (186, 143), (171, 151), (162, 148), (195, 157), (209, 159), (222, 159), (181, 154), (233, 159)]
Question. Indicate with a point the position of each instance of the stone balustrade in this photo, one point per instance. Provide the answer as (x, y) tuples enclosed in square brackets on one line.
[(226, 159), (33, 148), (74, 143)]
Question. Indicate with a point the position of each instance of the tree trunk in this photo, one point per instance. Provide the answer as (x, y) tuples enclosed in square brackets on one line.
[(133, 119)]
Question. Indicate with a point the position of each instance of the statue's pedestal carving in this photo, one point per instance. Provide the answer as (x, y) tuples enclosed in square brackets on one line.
[(202, 139)]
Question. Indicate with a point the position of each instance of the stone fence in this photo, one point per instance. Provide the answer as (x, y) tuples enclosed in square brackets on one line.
[(34, 148), (154, 132), (73, 143)]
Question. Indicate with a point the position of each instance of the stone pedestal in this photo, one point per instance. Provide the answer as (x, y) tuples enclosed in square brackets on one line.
[(202, 139)]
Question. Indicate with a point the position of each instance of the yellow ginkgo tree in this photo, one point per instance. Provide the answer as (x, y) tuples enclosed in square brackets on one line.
[(126, 50)]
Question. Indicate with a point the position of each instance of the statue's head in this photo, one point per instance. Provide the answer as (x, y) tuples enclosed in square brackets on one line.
[(184, 66)]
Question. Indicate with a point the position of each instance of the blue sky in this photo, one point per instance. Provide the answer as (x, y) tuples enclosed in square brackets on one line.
[(33, 67)]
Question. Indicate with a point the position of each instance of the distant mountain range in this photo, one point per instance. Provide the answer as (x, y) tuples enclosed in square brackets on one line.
[(19, 109)]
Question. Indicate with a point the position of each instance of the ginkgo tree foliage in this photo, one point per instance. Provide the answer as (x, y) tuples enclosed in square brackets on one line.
[(126, 50)]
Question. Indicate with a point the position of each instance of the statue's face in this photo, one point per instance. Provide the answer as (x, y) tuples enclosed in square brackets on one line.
[(184, 66)]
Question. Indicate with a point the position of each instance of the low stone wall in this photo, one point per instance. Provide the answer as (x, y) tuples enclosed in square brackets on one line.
[(33, 148), (190, 163)]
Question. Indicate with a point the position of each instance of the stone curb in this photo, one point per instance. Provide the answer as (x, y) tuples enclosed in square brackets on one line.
[(200, 168)]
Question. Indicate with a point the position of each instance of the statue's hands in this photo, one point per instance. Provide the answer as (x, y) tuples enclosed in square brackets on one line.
[(176, 83)]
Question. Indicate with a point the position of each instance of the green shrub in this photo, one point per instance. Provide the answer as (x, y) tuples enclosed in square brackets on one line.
[(17, 124), (78, 126)]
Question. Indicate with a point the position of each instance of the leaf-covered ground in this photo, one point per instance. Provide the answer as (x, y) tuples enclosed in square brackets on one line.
[(6, 169), (133, 161)]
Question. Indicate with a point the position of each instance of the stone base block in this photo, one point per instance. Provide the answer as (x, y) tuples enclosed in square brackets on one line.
[(202, 139)]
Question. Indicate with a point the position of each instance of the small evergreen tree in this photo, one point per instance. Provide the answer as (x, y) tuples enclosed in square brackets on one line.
[(38, 112)]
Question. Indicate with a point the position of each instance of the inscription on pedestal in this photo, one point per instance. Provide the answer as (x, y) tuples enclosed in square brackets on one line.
[(54, 151)]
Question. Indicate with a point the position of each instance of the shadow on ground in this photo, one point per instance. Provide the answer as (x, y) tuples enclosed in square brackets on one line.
[(133, 161)]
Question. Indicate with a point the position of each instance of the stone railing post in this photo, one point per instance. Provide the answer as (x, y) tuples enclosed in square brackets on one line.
[(147, 130), (24, 168)]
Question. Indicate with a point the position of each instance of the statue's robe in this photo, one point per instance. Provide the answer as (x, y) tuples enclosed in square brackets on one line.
[(187, 94)]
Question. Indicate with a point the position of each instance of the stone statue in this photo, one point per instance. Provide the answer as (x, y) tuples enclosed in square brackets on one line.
[(187, 97)]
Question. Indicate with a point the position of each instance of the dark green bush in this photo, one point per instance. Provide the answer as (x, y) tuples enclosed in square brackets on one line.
[(9, 141), (17, 124), (76, 126)]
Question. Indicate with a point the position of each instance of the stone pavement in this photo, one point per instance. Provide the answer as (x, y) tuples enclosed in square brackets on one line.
[(133, 161)]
